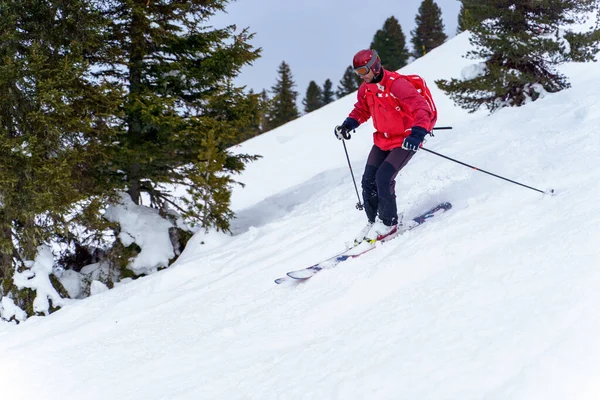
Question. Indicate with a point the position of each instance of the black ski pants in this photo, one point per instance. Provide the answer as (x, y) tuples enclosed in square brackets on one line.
[(379, 181)]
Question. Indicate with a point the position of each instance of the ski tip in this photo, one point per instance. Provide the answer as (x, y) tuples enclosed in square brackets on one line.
[(305, 273), (300, 275), (283, 279)]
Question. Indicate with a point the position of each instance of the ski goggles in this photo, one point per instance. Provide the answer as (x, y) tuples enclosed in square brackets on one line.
[(365, 69)]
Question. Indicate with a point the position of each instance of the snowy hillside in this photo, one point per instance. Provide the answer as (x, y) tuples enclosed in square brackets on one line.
[(497, 299)]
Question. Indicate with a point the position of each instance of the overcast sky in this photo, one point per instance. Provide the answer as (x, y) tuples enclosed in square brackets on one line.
[(318, 38)]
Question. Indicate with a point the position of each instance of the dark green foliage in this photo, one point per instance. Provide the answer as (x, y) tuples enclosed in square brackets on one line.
[(463, 22), (53, 121), (251, 106), (264, 110), (349, 83), (390, 44), (314, 97), (283, 104), (102, 96), (429, 31), (522, 43), (327, 95), (467, 17), (181, 111)]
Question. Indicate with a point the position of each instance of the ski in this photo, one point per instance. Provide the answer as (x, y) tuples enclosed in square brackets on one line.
[(360, 249)]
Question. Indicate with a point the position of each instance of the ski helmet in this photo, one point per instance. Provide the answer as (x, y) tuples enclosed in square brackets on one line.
[(365, 61)]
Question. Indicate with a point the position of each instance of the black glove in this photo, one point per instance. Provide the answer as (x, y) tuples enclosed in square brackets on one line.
[(414, 140), (343, 131)]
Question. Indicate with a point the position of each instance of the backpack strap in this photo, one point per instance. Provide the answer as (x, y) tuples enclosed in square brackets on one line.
[(387, 91)]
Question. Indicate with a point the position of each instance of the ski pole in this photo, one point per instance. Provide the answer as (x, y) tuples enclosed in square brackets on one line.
[(550, 191), (439, 128), (359, 205)]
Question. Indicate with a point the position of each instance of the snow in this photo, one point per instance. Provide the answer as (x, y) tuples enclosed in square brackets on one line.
[(37, 277), (496, 299), (97, 287), (145, 227), (72, 282), (9, 310), (473, 71)]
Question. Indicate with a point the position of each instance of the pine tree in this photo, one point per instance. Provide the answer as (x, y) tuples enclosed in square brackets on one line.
[(53, 120), (265, 110), (283, 103), (390, 44), (313, 99), (467, 17), (464, 22), (429, 31), (327, 95), (251, 107), (180, 108), (349, 83), (522, 43), (98, 97)]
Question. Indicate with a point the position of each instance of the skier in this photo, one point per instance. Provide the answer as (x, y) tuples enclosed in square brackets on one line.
[(402, 117)]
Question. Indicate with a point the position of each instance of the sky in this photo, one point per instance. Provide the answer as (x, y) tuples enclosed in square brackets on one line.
[(318, 41), (496, 299)]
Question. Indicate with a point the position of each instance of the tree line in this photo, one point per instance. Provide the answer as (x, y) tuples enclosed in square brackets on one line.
[(521, 43), (390, 43)]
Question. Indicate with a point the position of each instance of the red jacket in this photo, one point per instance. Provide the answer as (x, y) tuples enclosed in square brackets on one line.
[(395, 110)]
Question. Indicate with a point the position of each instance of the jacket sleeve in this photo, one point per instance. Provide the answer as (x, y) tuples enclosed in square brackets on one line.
[(361, 111), (417, 106)]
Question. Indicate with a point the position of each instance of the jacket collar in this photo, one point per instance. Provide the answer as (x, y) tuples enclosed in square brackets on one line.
[(380, 86)]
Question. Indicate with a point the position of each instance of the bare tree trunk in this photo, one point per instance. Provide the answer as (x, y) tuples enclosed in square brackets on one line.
[(136, 67)]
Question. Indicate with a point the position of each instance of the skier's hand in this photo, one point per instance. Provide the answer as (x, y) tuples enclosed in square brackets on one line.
[(343, 131), (413, 141)]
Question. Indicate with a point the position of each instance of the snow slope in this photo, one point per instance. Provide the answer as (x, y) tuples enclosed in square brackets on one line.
[(495, 300)]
